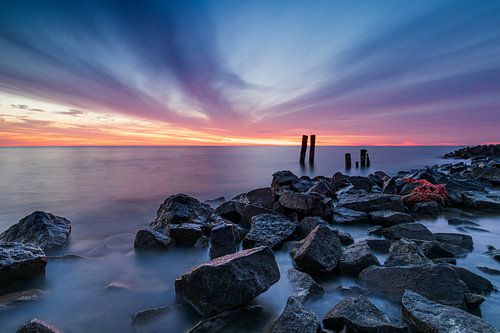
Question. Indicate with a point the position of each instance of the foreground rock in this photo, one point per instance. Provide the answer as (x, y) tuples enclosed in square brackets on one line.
[(461, 240), (405, 252), (152, 240), (319, 252), (19, 260), (228, 282), (303, 284), (180, 209), (439, 283), (408, 230), (220, 322), (295, 318), (269, 230), (424, 315), (37, 326), (224, 240), (359, 315), (476, 283), (42, 229), (355, 258)]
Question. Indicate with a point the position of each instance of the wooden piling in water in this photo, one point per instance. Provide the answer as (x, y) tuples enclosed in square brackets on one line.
[(312, 149), (367, 160), (303, 149), (362, 157), (347, 160), (357, 165)]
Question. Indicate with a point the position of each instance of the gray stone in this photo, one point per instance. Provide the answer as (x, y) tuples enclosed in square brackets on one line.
[(488, 270), (371, 202), (152, 240), (260, 197), (307, 224), (355, 258), (360, 183), (295, 318), (224, 239), (404, 252), (388, 218), (461, 240), (343, 215), (431, 208), (222, 322), (303, 284), (18, 260), (37, 326), (408, 230), (283, 179), (181, 209), (305, 203), (493, 252), (269, 230), (148, 315), (186, 233), (476, 283), (389, 186), (436, 249), (481, 200)]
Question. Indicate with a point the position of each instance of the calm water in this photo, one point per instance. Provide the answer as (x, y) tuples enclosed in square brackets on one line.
[(109, 193)]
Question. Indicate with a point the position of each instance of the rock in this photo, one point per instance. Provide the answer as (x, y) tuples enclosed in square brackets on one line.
[(18, 260), (474, 300), (359, 315), (355, 258), (186, 233), (489, 270), (435, 250), (260, 197), (476, 283), (489, 174), (456, 221), (469, 228), (404, 252), (322, 187), (181, 209), (305, 203), (248, 211), (228, 211), (283, 180), (378, 245), (42, 229), (224, 240), (295, 318), (307, 224), (436, 282), (371, 202), (345, 237), (320, 251), (152, 240), (148, 315), (37, 326), (269, 230), (302, 185), (406, 188), (360, 183), (221, 321), (475, 151), (215, 202), (20, 296), (493, 252), (408, 230), (388, 218), (344, 215), (340, 180), (457, 186), (303, 284), (389, 186), (480, 200), (431, 208), (228, 282), (461, 240), (424, 315)]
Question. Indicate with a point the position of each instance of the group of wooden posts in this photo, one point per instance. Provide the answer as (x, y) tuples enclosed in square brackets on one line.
[(363, 154)]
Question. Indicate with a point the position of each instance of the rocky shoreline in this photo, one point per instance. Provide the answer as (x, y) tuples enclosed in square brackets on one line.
[(303, 214)]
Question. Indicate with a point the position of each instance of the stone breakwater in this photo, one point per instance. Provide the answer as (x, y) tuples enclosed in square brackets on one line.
[(303, 214)]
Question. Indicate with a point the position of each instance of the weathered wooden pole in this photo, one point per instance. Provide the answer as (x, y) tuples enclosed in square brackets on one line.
[(367, 160), (348, 160), (312, 149), (357, 165), (362, 157), (303, 149)]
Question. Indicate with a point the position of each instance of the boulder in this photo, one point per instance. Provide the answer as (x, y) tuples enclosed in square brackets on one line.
[(371, 202), (476, 283), (344, 215), (224, 240), (340, 180), (359, 315), (457, 221), (228, 282), (436, 249), (148, 315), (181, 209), (355, 258), (480, 200), (488, 174), (408, 230), (260, 197), (37, 326), (283, 180), (461, 240), (304, 184), (360, 183), (388, 218), (488, 270), (307, 224), (320, 251), (404, 252), (150, 239), (223, 321), (430, 208), (322, 187), (424, 315), (295, 318), (305, 203), (389, 186), (436, 282), (18, 260), (345, 237), (42, 229), (303, 284), (228, 211), (186, 233), (378, 245), (493, 252), (269, 230)]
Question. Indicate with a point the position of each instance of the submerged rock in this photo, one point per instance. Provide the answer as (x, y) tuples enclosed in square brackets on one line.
[(152, 240), (228, 282), (408, 230), (355, 258), (424, 315), (18, 260), (40, 228), (181, 209), (303, 284), (148, 315), (295, 318), (269, 230), (493, 252), (457, 221), (221, 321), (488, 270), (388, 218), (37, 326)]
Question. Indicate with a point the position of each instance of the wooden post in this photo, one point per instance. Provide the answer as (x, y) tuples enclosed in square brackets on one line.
[(367, 160), (357, 165), (303, 149), (347, 160), (312, 149), (362, 157)]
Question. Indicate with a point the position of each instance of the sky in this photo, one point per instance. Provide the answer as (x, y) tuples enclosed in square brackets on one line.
[(228, 72)]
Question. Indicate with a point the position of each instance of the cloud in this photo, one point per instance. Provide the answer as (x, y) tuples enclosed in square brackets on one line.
[(19, 106), (72, 112)]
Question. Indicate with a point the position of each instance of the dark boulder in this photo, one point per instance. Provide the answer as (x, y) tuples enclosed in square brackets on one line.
[(228, 211), (428, 208), (283, 180), (340, 180), (228, 282), (152, 240), (456, 221), (360, 183), (493, 252), (295, 318), (269, 230), (481, 200), (42, 229), (388, 218), (355, 258), (37, 326), (476, 283), (404, 252), (307, 224), (343, 215), (181, 209), (148, 315), (359, 315), (436, 249), (309, 204), (186, 233), (389, 186), (378, 245), (303, 284), (371, 202), (489, 270), (320, 251), (345, 237), (224, 239), (322, 187), (461, 240), (18, 260), (224, 321), (261, 197), (408, 230), (424, 315)]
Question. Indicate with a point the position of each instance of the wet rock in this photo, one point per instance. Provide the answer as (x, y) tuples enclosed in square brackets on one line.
[(181, 209), (389, 186), (305, 203), (488, 270), (408, 230), (18, 260), (303, 284), (228, 211), (222, 321), (40, 228), (406, 187), (467, 228), (344, 215), (436, 282), (424, 315), (320, 251), (20, 296), (429, 208), (376, 230), (37, 326), (340, 180), (152, 240), (355, 258), (295, 318), (457, 186), (435, 250), (283, 180), (228, 282), (215, 202), (371, 202), (461, 240), (322, 187), (224, 240), (378, 245), (489, 174), (476, 283), (426, 173), (473, 300), (360, 183), (302, 185), (493, 252), (148, 315), (307, 224), (359, 315), (186, 233), (345, 237), (404, 252), (475, 152), (269, 230), (388, 218), (457, 221), (480, 200)]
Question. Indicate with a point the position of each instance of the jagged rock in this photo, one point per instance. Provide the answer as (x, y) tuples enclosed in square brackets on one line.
[(145, 316), (340, 180), (424, 315), (359, 315), (469, 228), (344, 215), (493, 252), (20, 296), (322, 187), (215, 202), (437, 282), (248, 211), (376, 230), (476, 283), (283, 180), (221, 321), (457, 221), (461, 240), (228, 211), (488, 270), (389, 186), (303, 284), (378, 245), (228, 282), (408, 230), (456, 186), (295, 318), (152, 240), (305, 203), (355, 258), (480, 200), (475, 152), (307, 224), (181, 209), (224, 240), (431, 208), (40, 228), (302, 185), (473, 300), (18, 260), (360, 183), (435, 250), (320, 251), (260, 197), (371, 202), (404, 252), (388, 218), (269, 230), (489, 174), (37, 326), (345, 237), (186, 233)]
